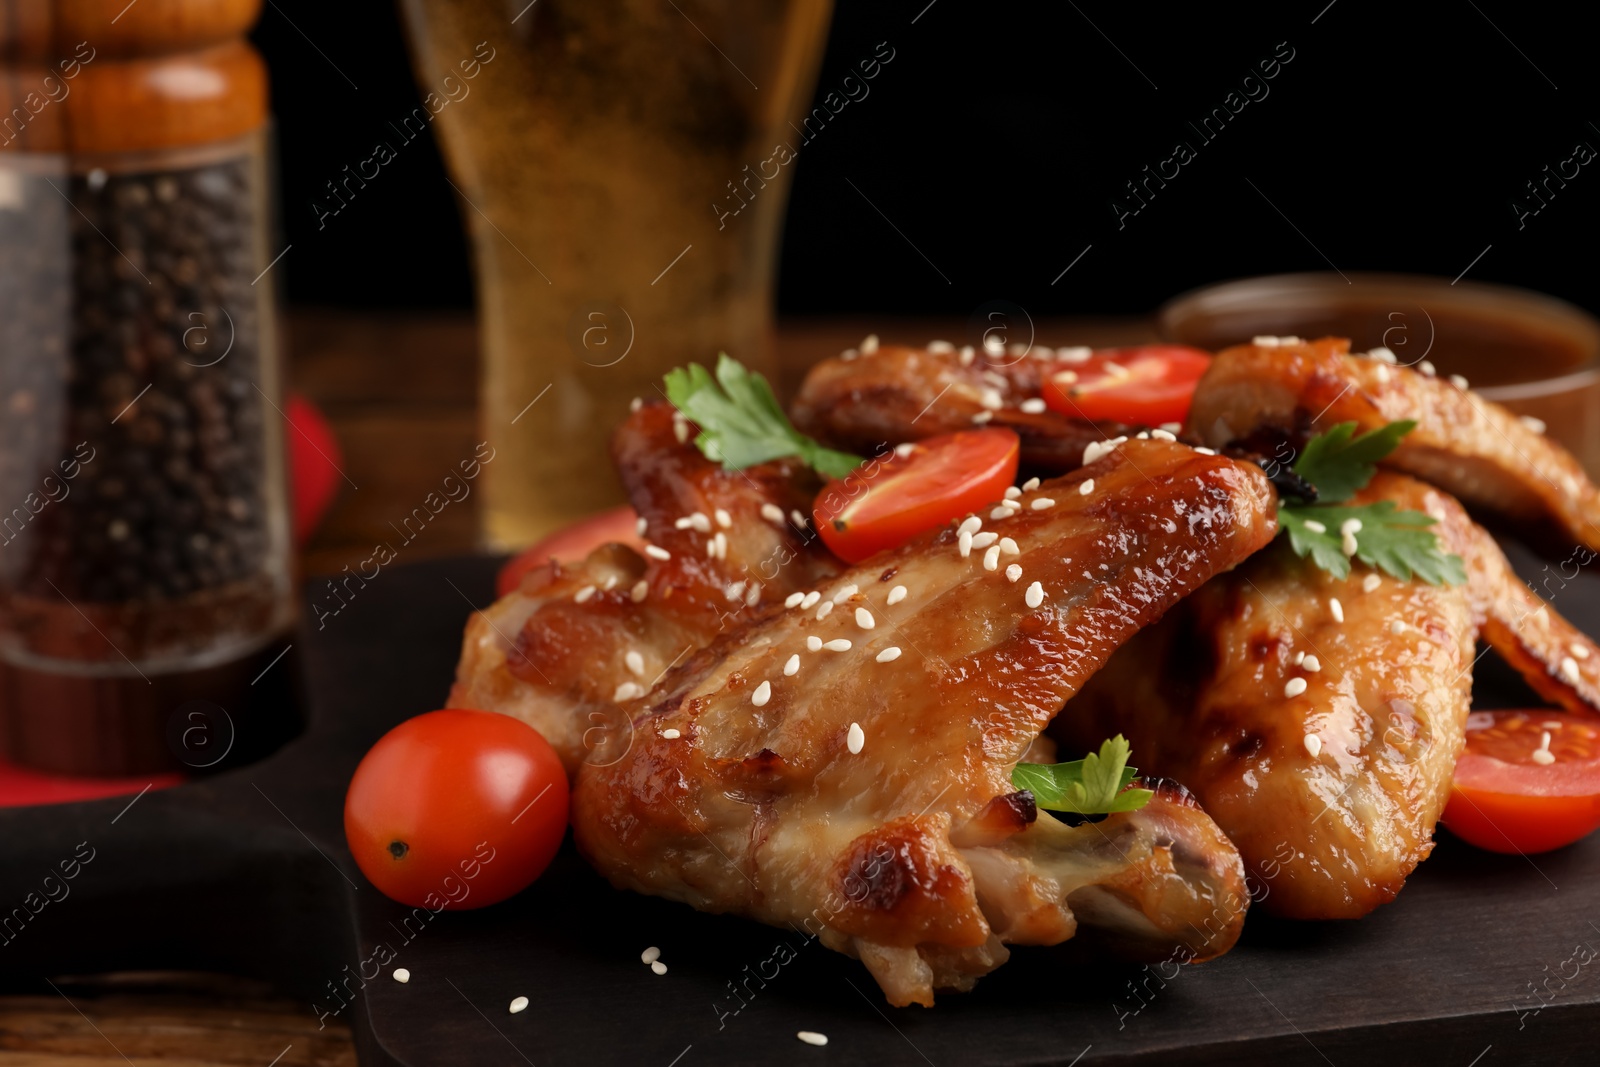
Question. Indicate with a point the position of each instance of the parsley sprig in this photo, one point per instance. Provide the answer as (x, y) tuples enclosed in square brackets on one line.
[(1340, 463), (741, 423), (1095, 785)]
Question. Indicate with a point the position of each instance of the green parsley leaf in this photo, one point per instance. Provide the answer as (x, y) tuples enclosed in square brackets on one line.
[(1397, 542), (1094, 785), (1339, 463), (741, 423)]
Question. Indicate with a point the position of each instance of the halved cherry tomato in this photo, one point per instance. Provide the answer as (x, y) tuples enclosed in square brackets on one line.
[(571, 543), (1508, 798), (1143, 385), (883, 504), (456, 809)]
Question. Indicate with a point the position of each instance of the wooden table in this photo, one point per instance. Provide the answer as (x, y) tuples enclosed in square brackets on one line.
[(401, 391)]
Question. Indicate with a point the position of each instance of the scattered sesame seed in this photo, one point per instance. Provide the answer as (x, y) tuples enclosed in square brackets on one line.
[(1163, 435), (1142, 435), (611, 583), (658, 967), (671, 734), (1427, 368), (1034, 596), (1299, 658), (1205, 451), (793, 600), (1350, 526), (1370, 583), (1536, 425), (1086, 487), (640, 590), (1315, 527), (762, 694), (822, 612), (888, 655), (682, 524), (724, 520), (641, 526), (1033, 405), (1383, 373), (970, 525), (1578, 650), (1074, 354), (721, 543), (634, 661), (1314, 745), (1311, 664), (991, 399), (1569, 670), (583, 594), (813, 643), (735, 590), (997, 380), (1012, 492), (855, 738), (520, 1004), (1551, 725), (1336, 609), (650, 955), (810, 601), (753, 597), (1009, 547), (1013, 572), (1264, 341), (869, 345), (636, 403), (657, 552), (1172, 427), (798, 519), (848, 354), (897, 594), (982, 417), (811, 1037), (846, 592), (401, 975), (904, 449), (964, 545), (838, 644), (680, 429), (1543, 756), (772, 513), (1294, 687), (1383, 355), (966, 355), (985, 539), (626, 691), (1458, 381), (1001, 512), (791, 666), (1397, 627), (1042, 502), (991, 558), (1030, 485), (701, 522), (864, 619), (941, 346)]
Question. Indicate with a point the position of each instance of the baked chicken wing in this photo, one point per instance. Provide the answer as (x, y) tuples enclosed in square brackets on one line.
[(845, 766)]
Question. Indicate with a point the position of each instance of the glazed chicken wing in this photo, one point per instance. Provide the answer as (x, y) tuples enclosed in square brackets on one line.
[(1318, 719), (578, 639), (845, 765), (1471, 447)]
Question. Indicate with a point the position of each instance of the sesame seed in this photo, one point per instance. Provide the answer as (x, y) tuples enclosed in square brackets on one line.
[(1350, 526), (838, 644), (941, 346), (1299, 658), (401, 975), (811, 1037), (870, 345), (1315, 527), (611, 583), (1336, 609), (855, 739), (680, 429), (1264, 341), (991, 399), (1074, 354), (682, 524), (1142, 435), (1012, 492), (822, 612), (657, 552), (1086, 487), (583, 594), (1397, 627), (793, 600), (1383, 374), (1578, 650), (1551, 725), (1427, 368), (520, 1004), (721, 542), (1163, 435), (724, 520), (634, 661), (810, 601), (964, 545), (650, 955), (1013, 572), (982, 417), (897, 594), (888, 655), (1294, 687), (846, 592), (864, 619), (1001, 512), (1033, 405), (791, 667), (701, 522), (813, 643), (1172, 427), (762, 694), (1370, 583), (966, 355), (626, 691), (970, 525), (1458, 381), (753, 597), (635, 404), (671, 734), (772, 513), (1569, 670), (1009, 547), (658, 967), (1311, 664), (1205, 451), (798, 519), (735, 590), (1536, 425), (1042, 502), (1030, 485), (985, 539), (991, 558), (1034, 596), (641, 526), (997, 380), (1543, 756), (1383, 355), (904, 449), (1314, 745), (640, 590)]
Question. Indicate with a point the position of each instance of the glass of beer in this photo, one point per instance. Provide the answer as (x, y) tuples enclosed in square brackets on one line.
[(622, 166)]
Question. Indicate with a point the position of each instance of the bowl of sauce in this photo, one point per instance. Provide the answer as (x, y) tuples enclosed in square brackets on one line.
[(1536, 355)]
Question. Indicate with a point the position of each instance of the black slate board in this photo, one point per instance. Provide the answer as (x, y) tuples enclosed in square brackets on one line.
[(247, 872)]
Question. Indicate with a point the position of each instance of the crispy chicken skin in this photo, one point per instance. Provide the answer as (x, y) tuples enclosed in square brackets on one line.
[(1468, 446), (1332, 826), (901, 394), (741, 793), (555, 652)]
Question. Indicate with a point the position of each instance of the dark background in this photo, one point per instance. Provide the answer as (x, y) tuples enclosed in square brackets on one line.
[(1396, 139)]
